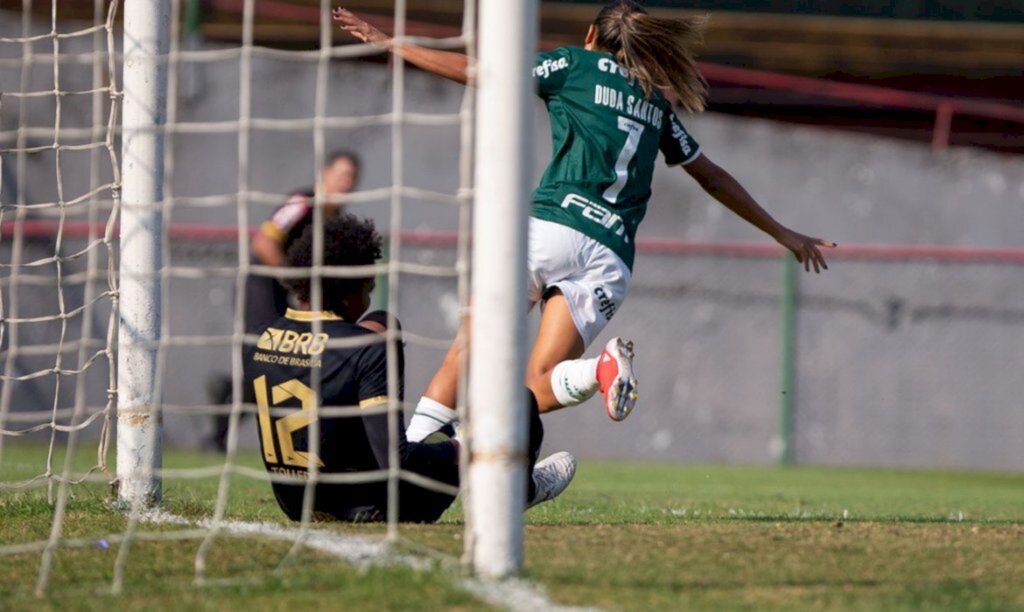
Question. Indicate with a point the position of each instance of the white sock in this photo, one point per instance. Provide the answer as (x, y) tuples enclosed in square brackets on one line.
[(429, 417), (574, 381)]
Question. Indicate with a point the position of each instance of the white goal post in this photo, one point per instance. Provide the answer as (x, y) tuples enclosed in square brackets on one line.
[(105, 242), (139, 456), (497, 472), (503, 171)]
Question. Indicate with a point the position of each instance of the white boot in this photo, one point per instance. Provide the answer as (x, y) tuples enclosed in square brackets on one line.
[(551, 476)]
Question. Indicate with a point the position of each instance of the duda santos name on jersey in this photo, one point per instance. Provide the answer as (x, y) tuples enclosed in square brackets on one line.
[(629, 104)]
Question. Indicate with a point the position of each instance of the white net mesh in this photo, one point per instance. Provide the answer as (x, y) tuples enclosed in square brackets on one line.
[(58, 237), (244, 123)]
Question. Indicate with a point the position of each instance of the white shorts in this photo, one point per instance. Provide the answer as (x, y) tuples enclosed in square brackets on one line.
[(590, 275)]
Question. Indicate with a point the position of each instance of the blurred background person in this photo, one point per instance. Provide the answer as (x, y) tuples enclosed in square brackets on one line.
[(266, 298)]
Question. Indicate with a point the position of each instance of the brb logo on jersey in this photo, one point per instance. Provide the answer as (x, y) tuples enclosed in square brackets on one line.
[(288, 341), (548, 66)]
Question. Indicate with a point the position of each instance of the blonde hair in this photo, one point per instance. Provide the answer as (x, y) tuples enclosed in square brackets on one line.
[(658, 51)]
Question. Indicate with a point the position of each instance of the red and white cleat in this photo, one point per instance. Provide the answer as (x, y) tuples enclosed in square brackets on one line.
[(616, 379)]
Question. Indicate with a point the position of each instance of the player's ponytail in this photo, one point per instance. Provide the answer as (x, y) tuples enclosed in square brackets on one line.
[(658, 51)]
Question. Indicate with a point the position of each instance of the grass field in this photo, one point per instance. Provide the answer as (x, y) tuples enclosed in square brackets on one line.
[(624, 536)]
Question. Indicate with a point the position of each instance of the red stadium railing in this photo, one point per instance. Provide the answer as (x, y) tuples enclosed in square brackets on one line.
[(653, 246), (944, 107)]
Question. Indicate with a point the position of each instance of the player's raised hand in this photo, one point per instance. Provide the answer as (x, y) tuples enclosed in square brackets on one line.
[(448, 64), (351, 23), (806, 249)]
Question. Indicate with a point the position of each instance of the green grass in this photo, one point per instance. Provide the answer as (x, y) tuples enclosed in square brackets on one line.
[(625, 536)]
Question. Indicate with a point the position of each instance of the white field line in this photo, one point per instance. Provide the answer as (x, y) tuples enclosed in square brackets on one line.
[(515, 595)]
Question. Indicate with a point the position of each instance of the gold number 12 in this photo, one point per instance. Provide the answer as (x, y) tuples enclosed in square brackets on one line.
[(288, 425)]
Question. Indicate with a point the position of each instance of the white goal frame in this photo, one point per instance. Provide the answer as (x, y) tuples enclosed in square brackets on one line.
[(498, 427), (139, 433), (499, 423)]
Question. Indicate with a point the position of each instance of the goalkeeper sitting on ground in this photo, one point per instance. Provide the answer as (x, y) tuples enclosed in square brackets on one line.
[(278, 380)]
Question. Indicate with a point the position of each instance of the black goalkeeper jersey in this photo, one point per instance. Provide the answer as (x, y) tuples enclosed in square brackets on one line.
[(278, 380)]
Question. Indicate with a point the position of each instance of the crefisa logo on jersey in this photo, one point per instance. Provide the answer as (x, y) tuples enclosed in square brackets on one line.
[(548, 66), (680, 134), (606, 65)]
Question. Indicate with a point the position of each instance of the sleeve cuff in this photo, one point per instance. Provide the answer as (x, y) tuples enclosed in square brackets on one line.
[(688, 160), (373, 401), (269, 229)]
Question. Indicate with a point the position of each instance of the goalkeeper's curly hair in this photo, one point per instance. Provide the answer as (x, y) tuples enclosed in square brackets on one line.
[(348, 241)]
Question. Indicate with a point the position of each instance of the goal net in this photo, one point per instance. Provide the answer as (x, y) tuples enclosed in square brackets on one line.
[(138, 158)]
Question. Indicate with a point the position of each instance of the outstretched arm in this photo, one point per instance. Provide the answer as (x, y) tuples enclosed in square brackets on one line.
[(723, 187), (268, 251), (447, 64)]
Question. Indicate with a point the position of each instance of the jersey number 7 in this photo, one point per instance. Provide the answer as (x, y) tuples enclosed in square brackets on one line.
[(633, 131)]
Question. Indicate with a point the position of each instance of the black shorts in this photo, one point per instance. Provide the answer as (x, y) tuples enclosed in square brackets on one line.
[(368, 502)]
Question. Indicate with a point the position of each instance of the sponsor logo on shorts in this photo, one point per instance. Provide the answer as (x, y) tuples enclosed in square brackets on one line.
[(605, 304)]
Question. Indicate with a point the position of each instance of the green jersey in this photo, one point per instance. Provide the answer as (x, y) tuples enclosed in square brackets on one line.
[(606, 135)]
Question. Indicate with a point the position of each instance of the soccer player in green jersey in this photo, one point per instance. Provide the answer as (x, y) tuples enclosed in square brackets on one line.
[(609, 119)]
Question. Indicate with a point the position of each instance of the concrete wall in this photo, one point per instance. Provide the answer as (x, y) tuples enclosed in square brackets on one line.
[(902, 364)]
